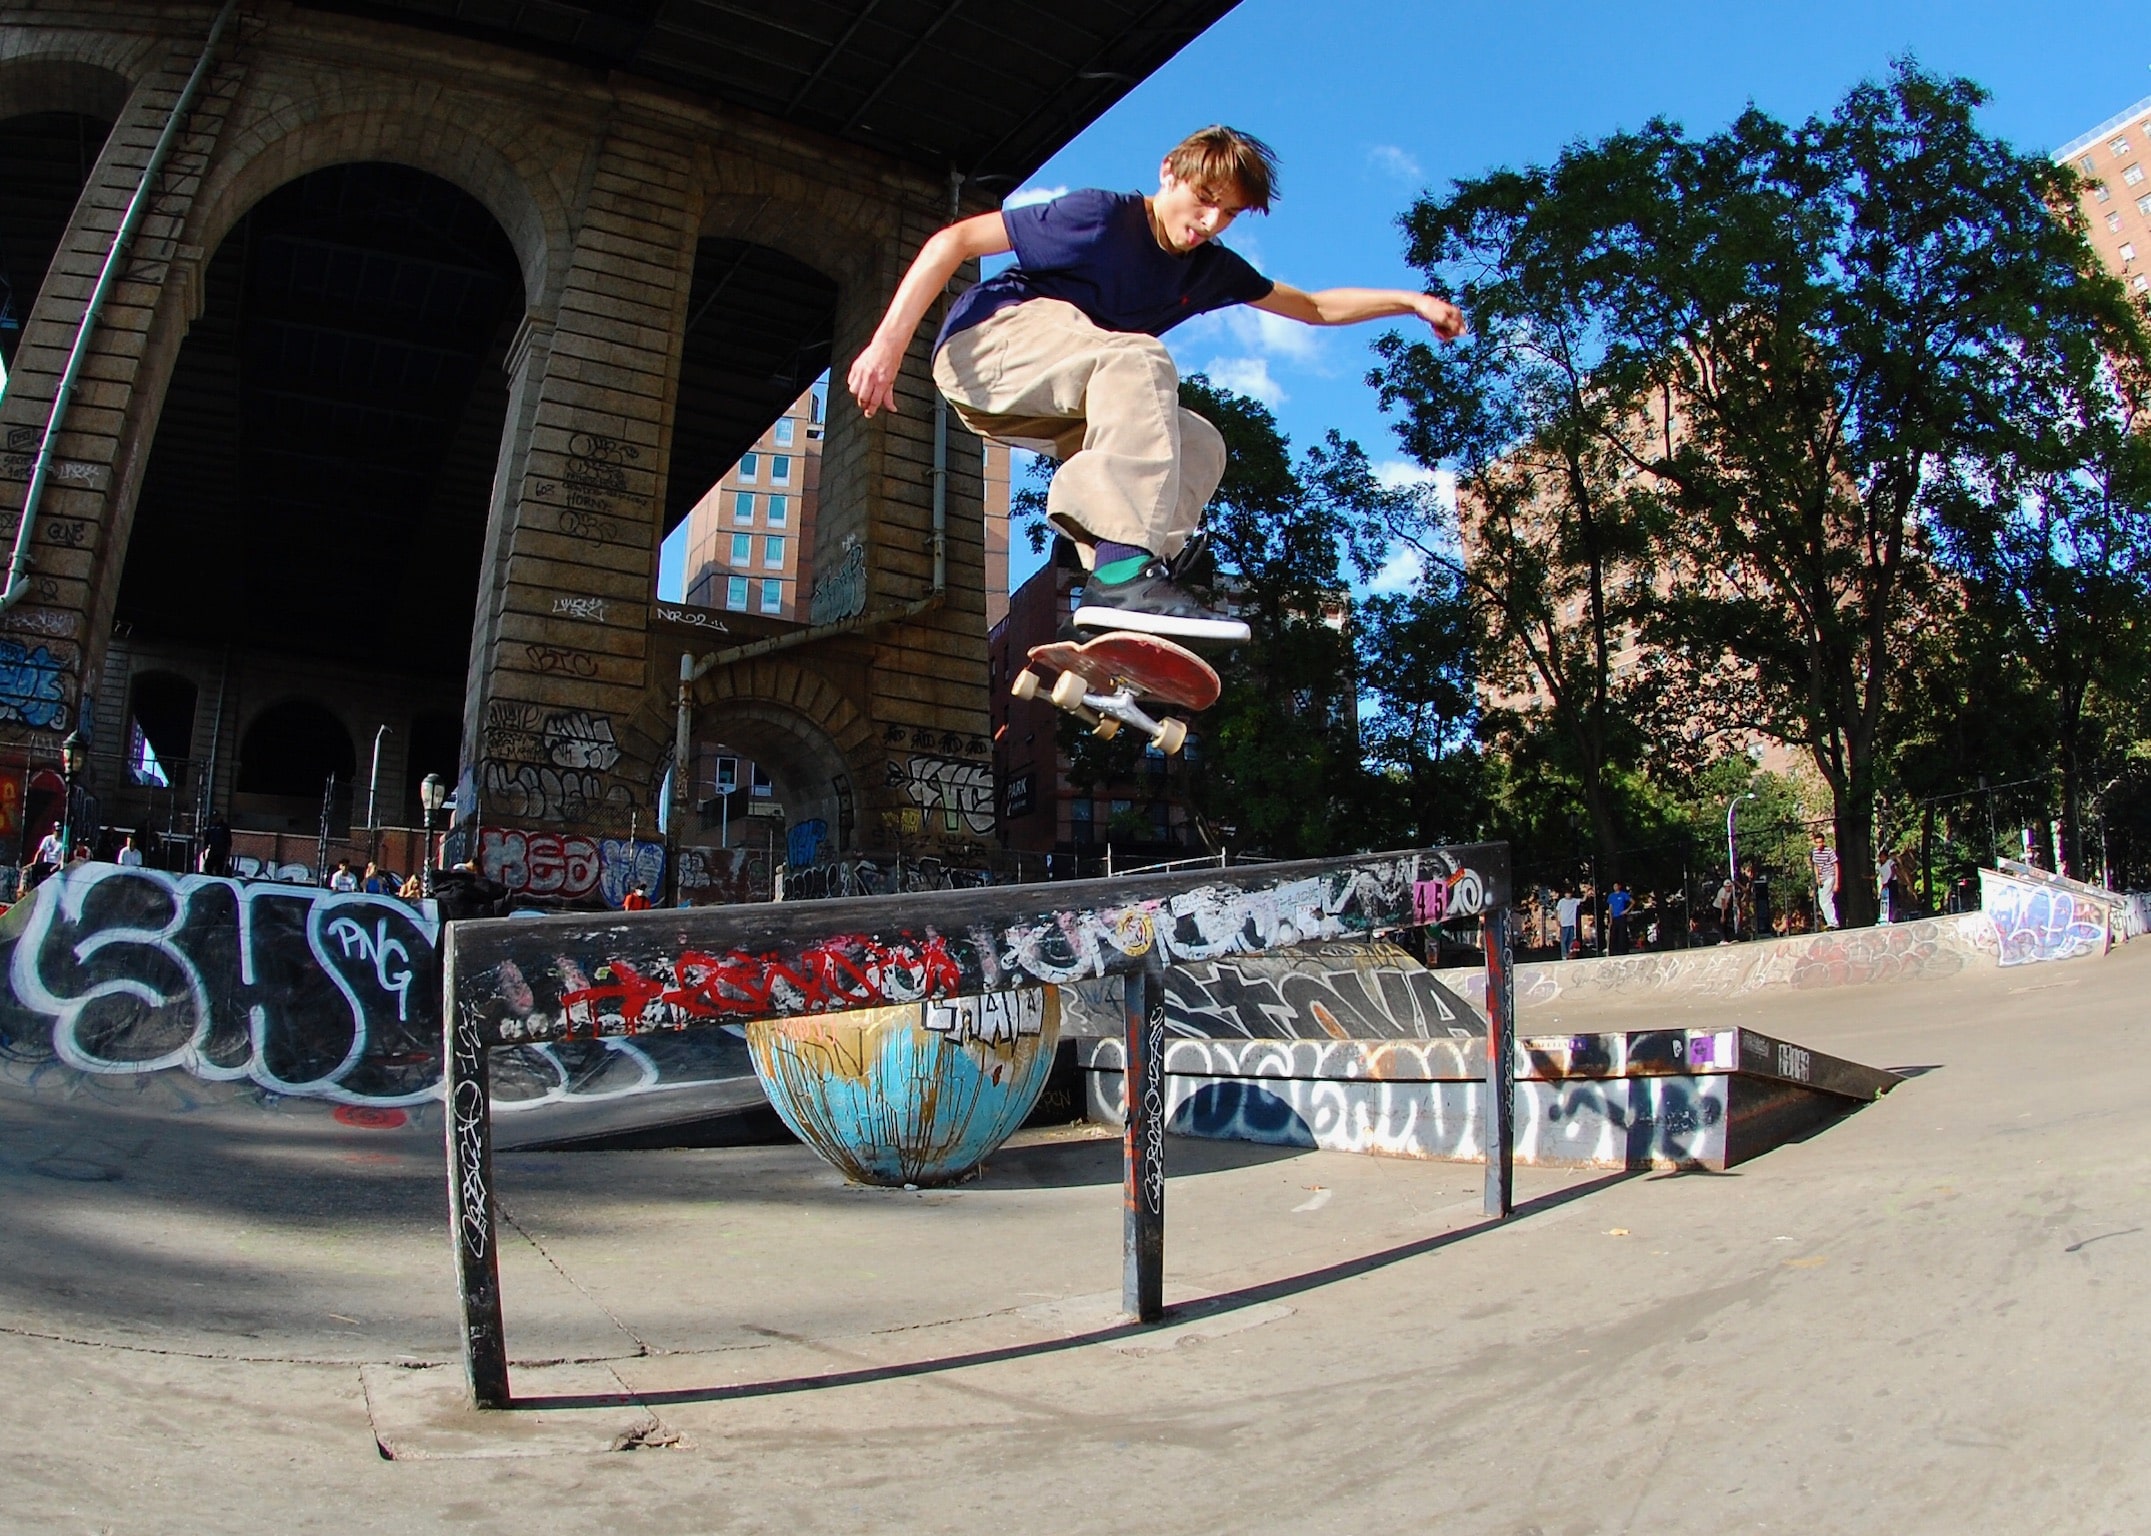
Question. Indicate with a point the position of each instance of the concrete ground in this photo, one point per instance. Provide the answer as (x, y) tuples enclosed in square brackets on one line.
[(1928, 1317)]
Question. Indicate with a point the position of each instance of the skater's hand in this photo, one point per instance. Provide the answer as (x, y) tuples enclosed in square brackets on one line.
[(873, 377), (1446, 318)]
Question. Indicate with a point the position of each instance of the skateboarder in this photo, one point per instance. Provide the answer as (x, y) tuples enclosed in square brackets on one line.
[(1059, 354)]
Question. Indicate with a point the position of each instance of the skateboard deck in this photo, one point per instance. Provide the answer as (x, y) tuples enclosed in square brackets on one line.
[(1101, 681)]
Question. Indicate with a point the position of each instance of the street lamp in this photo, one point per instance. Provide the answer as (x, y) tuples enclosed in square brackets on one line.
[(1732, 861), (432, 795), (725, 792), (74, 756)]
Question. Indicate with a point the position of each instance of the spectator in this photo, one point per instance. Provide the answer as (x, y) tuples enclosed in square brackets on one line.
[(216, 857), (375, 882), (413, 889), (1886, 887), (1617, 905), (341, 878), (1824, 858), (1568, 911), (43, 862), (129, 856), (637, 899)]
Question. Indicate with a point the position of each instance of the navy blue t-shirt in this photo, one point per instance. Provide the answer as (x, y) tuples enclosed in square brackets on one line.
[(1096, 251)]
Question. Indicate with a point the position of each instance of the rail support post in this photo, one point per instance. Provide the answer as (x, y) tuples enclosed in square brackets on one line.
[(472, 1218), (1500, 1062), (1142, 1273)]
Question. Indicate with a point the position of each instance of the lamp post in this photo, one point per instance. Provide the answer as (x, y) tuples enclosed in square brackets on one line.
[(432, 794), (725, 792), (74, 756), (1732, 861)]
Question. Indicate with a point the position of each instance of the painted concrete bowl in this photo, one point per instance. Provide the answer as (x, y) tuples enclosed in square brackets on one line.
[(917, 1093)]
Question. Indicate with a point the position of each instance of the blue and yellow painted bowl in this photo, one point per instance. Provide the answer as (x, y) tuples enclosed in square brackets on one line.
[(917, 1093)]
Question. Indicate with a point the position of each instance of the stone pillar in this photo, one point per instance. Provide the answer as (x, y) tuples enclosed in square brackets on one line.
[(562, 645), (52, 642)]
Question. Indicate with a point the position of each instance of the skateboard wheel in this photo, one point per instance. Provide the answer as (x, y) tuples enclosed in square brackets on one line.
[(1171, 736), (1107, 728), (1068, 690), (1025, 685)]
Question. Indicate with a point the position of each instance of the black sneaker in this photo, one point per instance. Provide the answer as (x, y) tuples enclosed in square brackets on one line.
[(1149, 604), (1182, 564)]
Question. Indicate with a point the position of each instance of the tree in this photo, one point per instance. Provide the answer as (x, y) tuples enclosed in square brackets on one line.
[(1279, 757), (1825, 324), (1550, 543)]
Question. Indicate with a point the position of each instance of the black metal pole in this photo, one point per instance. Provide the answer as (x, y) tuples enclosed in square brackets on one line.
[(1500, 1116), (473, 1222), (1142, 1273)]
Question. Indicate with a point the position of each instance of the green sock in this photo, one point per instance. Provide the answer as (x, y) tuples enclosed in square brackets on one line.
[(1118, 571)]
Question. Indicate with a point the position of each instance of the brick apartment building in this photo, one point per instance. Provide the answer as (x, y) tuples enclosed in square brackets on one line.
[(2115, 157)]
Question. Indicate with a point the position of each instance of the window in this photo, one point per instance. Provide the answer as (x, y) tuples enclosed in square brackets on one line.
[(2099, 194), (773, 597), (750, 465), (2118, 147), (727, 774), (743, 507), (773, 554), (2084, 165), (780, 469), (780, 510), (735, 593), (2143, 205), (2133, 175), (783, 434), (2113, 221), (743, 549), (758, 782), (2140, 282), (2128, 251)]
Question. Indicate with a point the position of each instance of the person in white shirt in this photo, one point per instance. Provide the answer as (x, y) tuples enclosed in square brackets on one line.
[(1568, 910), (1824, 858), (129, 856), (342, 879)]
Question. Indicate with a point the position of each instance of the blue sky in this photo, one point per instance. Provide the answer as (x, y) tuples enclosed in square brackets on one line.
[(1369, 102)]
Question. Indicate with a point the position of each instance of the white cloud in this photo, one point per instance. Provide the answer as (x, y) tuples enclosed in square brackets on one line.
[(1030, 195), (1392, 161), (1247, 376), (1396, 474), (1274, 336), (1399, 573)]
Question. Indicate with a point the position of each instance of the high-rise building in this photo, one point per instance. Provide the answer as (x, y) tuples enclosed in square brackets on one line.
[(750, 539), (746, 537), (2115, 159)]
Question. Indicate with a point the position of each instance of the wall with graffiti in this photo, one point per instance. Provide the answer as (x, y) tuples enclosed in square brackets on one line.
[(540, 981), (1625, 1100), (2041, 919), (124, 984), (1372, 991), (570, 866)]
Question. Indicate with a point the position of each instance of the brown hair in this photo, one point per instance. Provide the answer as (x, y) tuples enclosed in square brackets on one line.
[(1218, 157)]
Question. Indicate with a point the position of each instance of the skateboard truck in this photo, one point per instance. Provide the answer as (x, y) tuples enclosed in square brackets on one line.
[(1104, 713)]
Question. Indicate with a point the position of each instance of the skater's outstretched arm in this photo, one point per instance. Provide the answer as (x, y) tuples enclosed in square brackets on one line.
[(873, 373), (1348, 306)]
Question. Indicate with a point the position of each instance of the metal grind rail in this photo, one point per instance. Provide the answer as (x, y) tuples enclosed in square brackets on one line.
[(525, 981)]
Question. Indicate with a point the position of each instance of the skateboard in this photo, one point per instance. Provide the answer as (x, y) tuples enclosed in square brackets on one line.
[(1101, 679)]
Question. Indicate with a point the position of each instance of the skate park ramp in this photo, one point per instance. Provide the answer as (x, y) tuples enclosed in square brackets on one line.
[(1356, 1047)]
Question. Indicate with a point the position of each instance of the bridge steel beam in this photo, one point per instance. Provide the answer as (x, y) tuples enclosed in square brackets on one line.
[(518, 981)]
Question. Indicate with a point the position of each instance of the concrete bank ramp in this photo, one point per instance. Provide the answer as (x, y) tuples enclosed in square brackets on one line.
[(1924, 951), (1356, 1047)]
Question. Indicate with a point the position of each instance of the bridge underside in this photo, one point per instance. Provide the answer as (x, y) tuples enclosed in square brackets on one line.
[(441, 318)]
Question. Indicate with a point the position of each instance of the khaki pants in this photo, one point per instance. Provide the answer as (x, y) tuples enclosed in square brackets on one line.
[(1135, 467)]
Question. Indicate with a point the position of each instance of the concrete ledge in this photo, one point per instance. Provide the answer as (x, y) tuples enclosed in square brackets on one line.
[(1638, 1099)]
